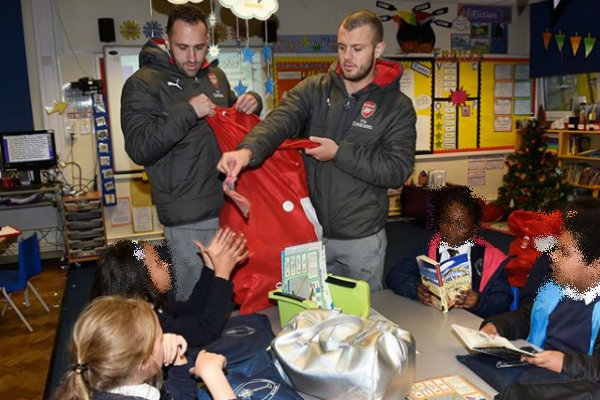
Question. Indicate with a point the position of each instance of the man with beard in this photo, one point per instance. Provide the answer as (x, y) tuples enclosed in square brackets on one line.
[(365, 128), (162, 114)]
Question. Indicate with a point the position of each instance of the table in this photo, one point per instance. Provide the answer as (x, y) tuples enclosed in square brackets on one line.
[(437, 345)]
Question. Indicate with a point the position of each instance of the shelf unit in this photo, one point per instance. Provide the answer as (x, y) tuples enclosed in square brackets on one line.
[(568, 156), (83, 225)]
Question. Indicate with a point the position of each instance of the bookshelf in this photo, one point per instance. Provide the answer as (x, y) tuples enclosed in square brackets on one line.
[(583, 170)]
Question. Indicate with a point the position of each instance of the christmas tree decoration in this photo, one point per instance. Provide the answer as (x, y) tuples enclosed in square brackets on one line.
[(575, 42), (458, 97), (240, 89), (589, 43), (560, 40), (547, 36), (130, 30), (532, 182), (152, 29)]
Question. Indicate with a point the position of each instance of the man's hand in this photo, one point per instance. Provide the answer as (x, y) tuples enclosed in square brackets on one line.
[(325, 152), (490, 329), (246, 103), (232, 162), (549, 359), (202, 105), (466, 299), (423, 294)]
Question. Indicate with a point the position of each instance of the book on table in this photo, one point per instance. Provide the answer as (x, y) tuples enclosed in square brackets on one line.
[(498, 346), (448, 387), (446, 279)]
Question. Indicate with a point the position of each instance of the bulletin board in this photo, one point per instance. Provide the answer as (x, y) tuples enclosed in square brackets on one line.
[(290, 70), (496, 92)]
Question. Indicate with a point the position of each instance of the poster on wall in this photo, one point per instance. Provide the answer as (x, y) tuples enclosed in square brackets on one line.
[(290, 70)]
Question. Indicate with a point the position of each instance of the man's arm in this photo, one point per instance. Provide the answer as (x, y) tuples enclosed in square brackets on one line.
[(151, 132), (391, 163)]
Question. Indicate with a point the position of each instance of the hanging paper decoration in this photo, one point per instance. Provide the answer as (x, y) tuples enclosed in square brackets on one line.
[(212, 19), (266, 51), (221, 32), (458, 97), (213, 48), (589, 43), (248, 53), (153, 29), (213, 51), (240, 89), (184, 1), (269, 86), (575, 42), (560, 40), (245, 9), (130, 30), (547, 36)]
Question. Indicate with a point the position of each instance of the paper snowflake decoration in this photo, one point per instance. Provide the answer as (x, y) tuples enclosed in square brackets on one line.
[(212, 19), (153, 29), (130, 30), (213, 51), (240, 89)]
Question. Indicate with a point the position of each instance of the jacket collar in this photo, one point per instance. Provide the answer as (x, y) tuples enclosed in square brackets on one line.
[(386, 74)]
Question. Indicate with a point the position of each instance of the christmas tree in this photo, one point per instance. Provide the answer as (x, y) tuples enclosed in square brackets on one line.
[(533, 181)]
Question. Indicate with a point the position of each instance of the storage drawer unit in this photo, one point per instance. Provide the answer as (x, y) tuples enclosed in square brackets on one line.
[(83, 224)]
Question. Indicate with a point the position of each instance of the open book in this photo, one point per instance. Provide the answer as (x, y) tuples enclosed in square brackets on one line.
[(445, 280), (499, 346)]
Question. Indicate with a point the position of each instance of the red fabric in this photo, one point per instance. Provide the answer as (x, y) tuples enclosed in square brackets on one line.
[(526, 226), (268, 228)]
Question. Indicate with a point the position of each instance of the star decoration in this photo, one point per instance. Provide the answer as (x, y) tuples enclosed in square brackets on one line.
[(240, 89), (458, 97), (213, 51), (266, 50), (269, 86), (439, 126), (153, 29), (212, 19), (439, 115), (130, 30), (248, 53), (438, 144)]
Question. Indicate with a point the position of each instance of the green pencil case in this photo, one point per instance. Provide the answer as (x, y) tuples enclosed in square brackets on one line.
[(289, 304)]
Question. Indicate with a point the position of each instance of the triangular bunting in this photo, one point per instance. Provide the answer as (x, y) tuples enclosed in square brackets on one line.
[(560, 40), (547, 36), (589, 43), (575, 42)]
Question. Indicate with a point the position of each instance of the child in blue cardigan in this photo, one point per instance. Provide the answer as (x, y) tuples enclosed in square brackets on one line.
[(457, 219), (565, 317)]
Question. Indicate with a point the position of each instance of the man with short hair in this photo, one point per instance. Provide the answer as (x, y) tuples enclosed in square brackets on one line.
[(163, 107), (365, 128)]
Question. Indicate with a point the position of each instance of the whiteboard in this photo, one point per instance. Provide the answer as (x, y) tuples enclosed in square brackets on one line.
[(120, 62)]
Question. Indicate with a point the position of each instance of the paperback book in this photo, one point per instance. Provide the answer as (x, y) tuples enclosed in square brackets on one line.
[(498, 346), (446, 279)]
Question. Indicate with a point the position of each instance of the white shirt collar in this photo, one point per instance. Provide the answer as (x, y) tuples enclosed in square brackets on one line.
[(144, 391), (465, 248), (588, 297)]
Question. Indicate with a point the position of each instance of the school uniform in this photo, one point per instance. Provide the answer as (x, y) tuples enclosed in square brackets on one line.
[(487, 271)]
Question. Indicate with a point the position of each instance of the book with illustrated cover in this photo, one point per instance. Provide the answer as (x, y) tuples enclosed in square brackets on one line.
[(446, 279), (453, 387), (9, 231), (498, 346)]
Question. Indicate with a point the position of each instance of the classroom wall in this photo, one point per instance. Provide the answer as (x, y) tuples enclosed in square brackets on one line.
[(78, 47)]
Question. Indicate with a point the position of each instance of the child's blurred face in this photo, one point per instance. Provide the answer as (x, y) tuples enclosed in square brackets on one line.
[(456, 226), (568, 267), (157, 268)]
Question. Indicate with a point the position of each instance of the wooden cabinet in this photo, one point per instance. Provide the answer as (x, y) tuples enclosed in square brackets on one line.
[(579, 154), (83, 224)]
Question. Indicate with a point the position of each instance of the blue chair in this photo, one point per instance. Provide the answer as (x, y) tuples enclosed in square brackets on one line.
[(30, 265), (515, 302)]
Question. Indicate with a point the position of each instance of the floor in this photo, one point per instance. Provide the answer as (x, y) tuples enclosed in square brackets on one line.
[(25, 356)]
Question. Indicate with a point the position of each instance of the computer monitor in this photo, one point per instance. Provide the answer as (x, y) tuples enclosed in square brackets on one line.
[(31, 150)]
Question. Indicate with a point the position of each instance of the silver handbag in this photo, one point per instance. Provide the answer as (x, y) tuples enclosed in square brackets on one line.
[(332, 355)]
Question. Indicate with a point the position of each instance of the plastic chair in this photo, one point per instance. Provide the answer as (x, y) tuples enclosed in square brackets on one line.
[(30, 265)]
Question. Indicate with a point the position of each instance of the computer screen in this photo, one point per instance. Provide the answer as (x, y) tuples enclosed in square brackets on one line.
[(28, 150)]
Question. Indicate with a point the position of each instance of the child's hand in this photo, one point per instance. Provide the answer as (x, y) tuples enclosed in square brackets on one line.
[(490, 329), (215, 245), (232, 249), (549, 359), (174, 348), (466, 299), (207, 364), (423, 294)]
